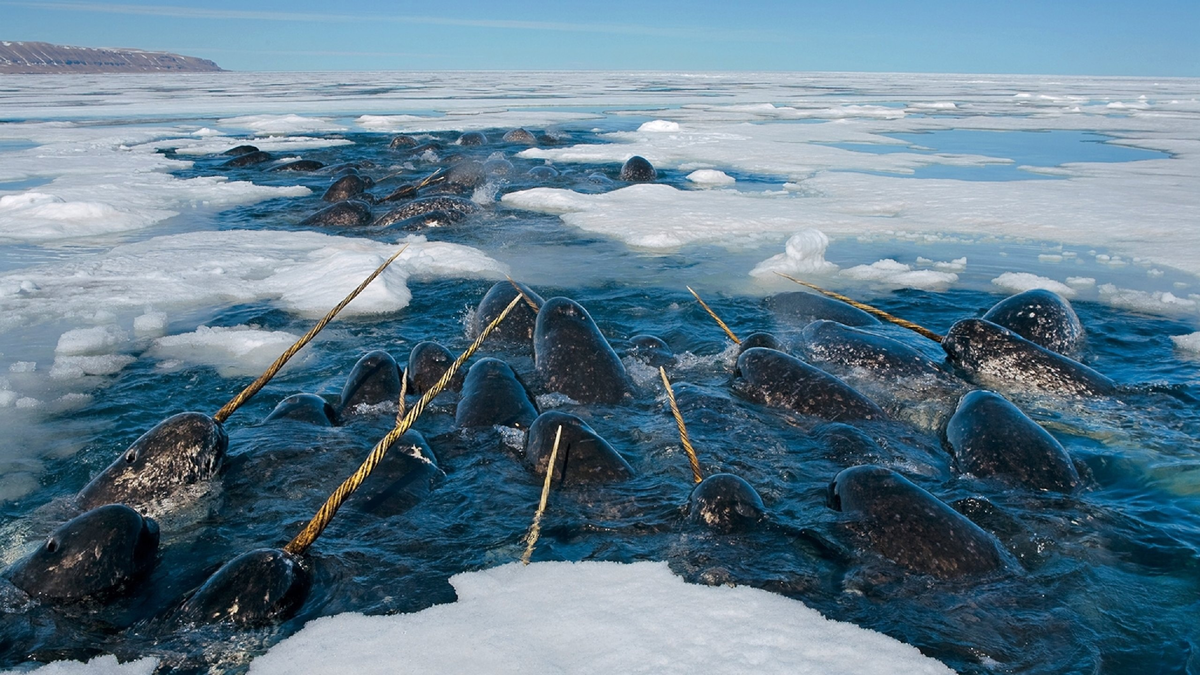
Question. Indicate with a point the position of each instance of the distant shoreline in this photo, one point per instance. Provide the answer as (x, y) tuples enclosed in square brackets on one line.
[(44, 58)]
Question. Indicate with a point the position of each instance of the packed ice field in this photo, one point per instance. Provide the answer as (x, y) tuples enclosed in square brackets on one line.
[(121, 244)]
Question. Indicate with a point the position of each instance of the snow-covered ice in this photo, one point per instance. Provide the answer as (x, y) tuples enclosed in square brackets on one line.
[(594, 617)]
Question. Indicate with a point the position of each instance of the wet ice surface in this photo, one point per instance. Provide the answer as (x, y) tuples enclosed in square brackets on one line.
[(142, 279)]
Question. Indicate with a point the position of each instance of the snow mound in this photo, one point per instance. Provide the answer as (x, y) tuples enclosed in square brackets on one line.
[(594, 617), (804, 253), (710, 177), (659, 126)]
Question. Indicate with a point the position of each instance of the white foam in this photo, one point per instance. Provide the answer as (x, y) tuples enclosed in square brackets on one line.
[(711, 177), (235, 351), (1018, 282), (594, 617), (804, 253)]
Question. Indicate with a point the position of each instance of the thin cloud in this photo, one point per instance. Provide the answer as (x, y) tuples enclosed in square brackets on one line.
[(310, 17)]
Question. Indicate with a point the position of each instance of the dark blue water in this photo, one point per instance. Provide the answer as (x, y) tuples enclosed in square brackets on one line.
[(1024, 148), (1107, 577)]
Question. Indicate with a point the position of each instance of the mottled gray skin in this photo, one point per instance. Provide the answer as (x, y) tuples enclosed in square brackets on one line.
[(374, 379), (346, 187), (726, 503), (427, 362), (652, 350), (248, 159), (759, 339), (257, 588), (637, 170), (472, 138), (299, 165), (492, 395), (583, 456), (992, 437), (454, 207), (93, 554), (1042, 317), (911, 527), (520, 136), (831, 343), (180, 452), (497, 167), (803, 308), (776, 379), (350, 213), (240, 150), (518, 325), (403, 141), (573, 358), (848, 445), (465, 174), (995, 356), (304, 408)]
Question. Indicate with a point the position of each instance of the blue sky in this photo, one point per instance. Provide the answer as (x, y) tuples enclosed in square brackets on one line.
[(1101, 37)]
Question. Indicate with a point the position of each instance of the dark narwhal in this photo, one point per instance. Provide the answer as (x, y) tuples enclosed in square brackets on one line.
[(427, 362), (726, 503), (637, 170), (349, 186), (776, 379), (375, 379), (308, 408), (651, 349), (573, 358), (96, 553), (1042, 317), (520, 136), (992, 437), (177, 454), (519, 324), (248, 159), (583, 456), (348, 213), (911, 527), (997, 357), (492, 395), (454, 208), (259, 587), (829, 342)]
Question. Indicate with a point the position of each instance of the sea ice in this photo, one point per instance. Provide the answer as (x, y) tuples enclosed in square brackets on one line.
[(235, 351), (1018, 282), (594, 617)]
